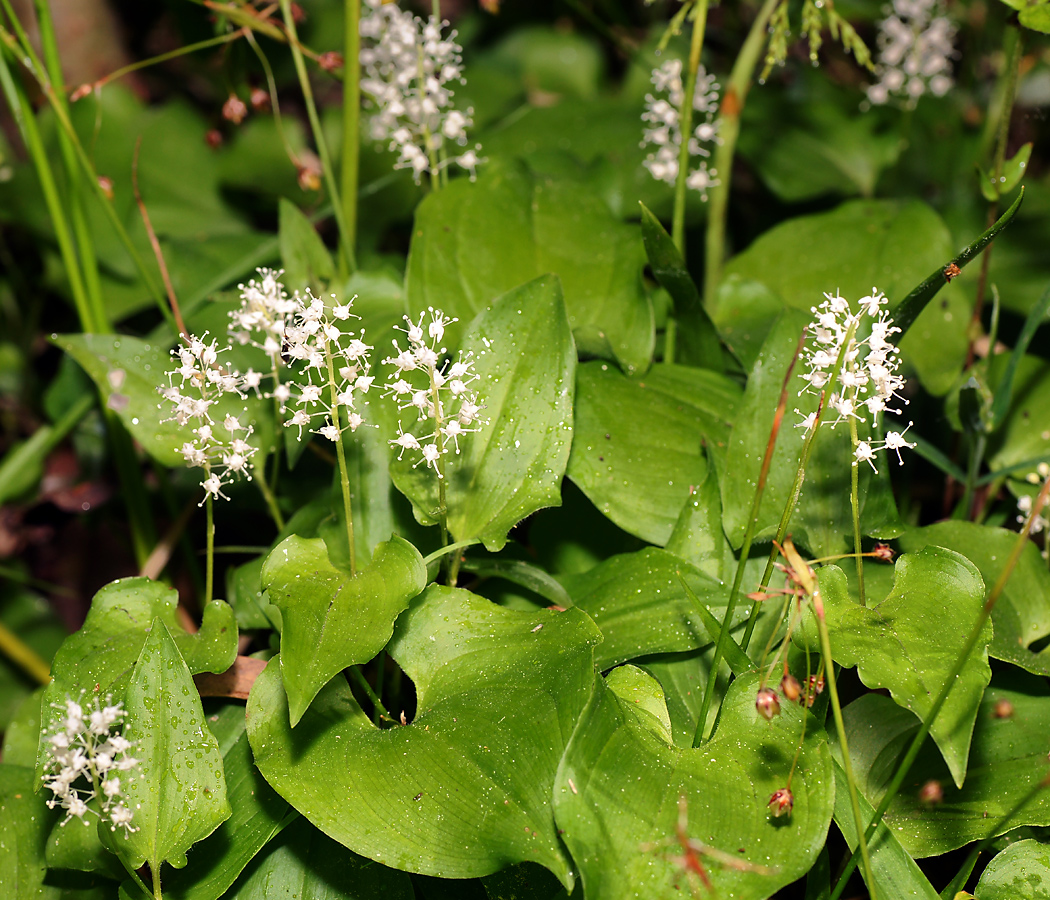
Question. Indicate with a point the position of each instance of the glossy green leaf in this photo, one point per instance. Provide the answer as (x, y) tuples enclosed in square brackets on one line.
[(128, 372), (1022, 614), (1007, 760), (890, 245), (332, 620), (524, 574), (683, 677), (22, 732), (1004, 389), (464, 789), (513, 465), (639, 446), (121, 617), (636, 686), (180, 797), (616, 799), (474, 241), (305, 864), (1020, 437), (257, 814), (896, 874), (823, 521), (306, 261), (1012, 172), (696, 342), (909, 642), (1035, 16), (25, 822), (641, 607), (1020, 872)]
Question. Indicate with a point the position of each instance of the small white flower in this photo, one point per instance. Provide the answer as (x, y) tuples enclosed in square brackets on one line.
[(915, 52)]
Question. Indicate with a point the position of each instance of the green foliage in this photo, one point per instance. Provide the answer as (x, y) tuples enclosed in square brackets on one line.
[(1021, 871)]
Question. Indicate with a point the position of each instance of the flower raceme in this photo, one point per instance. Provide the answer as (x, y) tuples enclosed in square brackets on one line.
[(438, 389), (915, 49), (220, 447), (86, 747), (856, 346), (663, 131), (409, 67)]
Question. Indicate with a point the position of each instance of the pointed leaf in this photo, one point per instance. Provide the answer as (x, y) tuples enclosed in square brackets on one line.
[(638, 446), (909, 642), (698, 537), (1022, 614), (180, 797), (697, 342), (513, 465), (257, 814), (332, 620), (474, 241), (100, 656), (618, 788), (464, 789), (1007, 760)]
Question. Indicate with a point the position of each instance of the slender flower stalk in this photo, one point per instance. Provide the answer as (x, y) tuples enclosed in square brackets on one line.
[(351, 149), (440, 391)]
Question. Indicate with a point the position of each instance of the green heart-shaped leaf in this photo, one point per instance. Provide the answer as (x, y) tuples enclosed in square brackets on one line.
[(1020, 872), (910, 641), (616, 799), (177, 792), (99, 658), (464, 789), (330, 619)]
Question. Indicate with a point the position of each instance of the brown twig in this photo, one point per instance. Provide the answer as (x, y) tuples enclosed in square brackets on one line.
[(155, 244)]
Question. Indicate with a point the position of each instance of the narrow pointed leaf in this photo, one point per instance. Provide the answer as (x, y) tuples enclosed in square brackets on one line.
[(698, 537), (697, 342), (464, 789), (1004, 390), (99, 658), (618, 788), (330, 619), (513, 465), (180, 797), (306, 261), (909, 642)]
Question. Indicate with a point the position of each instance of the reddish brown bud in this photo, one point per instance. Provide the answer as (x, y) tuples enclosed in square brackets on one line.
[(790, 687), (781, 802), (309, 177), (107, 186), (767, 704), (758, 596), (80, 93), (213, 138), (883, 552), (490, 6), (234, 109), (298, 14), (951, 271), (1003, 709), (931, 793), (330, 61), (259, 99)]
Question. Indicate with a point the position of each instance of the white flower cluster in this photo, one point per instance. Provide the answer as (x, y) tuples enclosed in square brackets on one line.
[(266, 311), (1024, 502), (867, 377), (409, 68), (336, 365), (218, 448), (663, 129), (915, 51), (85, 748), (445, 397)]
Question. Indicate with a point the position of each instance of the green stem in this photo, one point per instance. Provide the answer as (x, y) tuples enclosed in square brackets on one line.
[(319, 138), (854, 499), (380, 671), (351, 116), (171, 54), (135, 877), (840, 728), (732, 105), (359, 677), (271, 500), (971, 642), (155, 871), (209, 537), (340, 452), (976, 457), (685, 119), (745, 549)]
